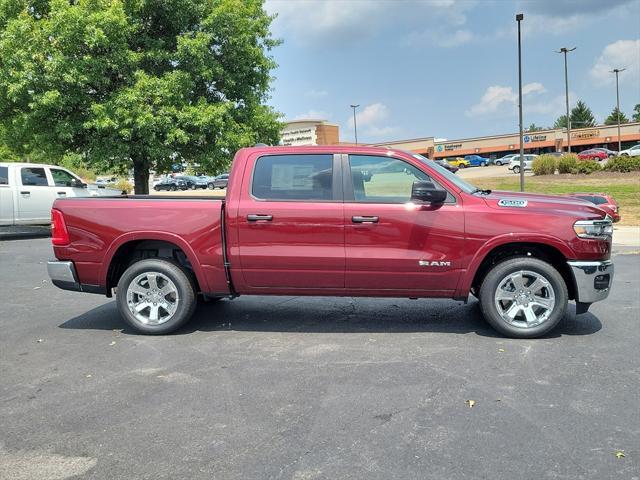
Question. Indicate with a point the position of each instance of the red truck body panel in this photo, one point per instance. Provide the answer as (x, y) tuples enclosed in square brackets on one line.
[(313, 248)]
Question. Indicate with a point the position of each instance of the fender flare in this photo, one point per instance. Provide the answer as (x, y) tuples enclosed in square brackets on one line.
[(464, 286), (153, 235)]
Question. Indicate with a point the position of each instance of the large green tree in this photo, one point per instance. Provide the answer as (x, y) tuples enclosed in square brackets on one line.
[(636, 113), (612, 119), (580, 115), (136, 83)]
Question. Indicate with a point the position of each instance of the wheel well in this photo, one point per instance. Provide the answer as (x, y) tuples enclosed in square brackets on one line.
[(537, 250), (131, 252)]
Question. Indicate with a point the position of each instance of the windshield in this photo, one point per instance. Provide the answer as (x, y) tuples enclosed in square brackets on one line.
[(452, 177)]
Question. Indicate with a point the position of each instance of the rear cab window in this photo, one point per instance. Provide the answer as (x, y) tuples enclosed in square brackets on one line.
[(33, 176), (4, 175), (304, 177)]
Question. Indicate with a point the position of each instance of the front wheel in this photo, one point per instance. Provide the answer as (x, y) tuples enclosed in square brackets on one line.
[(461, 165), (155, 296), (484, 164), (499, 163), (516, 169), (523, 297)]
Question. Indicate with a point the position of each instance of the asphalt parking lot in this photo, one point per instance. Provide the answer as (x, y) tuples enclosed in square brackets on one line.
[(311, 388)]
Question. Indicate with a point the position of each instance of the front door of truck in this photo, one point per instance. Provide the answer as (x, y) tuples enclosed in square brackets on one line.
[(290, 222), (392, 245), (34, 196)]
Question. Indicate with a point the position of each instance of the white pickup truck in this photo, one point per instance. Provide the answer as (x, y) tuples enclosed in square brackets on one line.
[(28, 190)]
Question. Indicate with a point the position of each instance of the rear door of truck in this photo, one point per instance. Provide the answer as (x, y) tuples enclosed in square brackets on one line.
[(290, 222)]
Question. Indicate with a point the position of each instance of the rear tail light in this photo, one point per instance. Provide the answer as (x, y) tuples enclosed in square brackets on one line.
[(59, 232)]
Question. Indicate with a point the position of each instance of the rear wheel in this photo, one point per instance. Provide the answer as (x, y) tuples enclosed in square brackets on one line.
[(516, 169), (523, 297), (156, 296), (498, 163), (210, 186), (461, 165), (173, 188)]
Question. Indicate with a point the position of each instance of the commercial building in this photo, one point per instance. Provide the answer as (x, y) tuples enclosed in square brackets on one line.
[(320, 132)]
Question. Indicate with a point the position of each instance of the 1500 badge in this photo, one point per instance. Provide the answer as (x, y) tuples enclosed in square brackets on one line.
[(512, 202)]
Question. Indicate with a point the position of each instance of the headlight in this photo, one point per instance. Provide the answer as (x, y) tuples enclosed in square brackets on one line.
[(598, 229)]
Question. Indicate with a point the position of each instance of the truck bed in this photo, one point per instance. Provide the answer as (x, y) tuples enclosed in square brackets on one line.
[(102, 227)]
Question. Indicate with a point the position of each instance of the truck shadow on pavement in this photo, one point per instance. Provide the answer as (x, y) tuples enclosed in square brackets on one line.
[(330, 315)]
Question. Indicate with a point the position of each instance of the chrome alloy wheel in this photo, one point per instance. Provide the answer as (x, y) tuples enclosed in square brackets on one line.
[(152, 298), (524, 299)]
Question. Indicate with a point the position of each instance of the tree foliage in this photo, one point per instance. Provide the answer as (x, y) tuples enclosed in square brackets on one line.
[(136, 83), (636, 113), (580, 115), (613, 117), (534, 128)]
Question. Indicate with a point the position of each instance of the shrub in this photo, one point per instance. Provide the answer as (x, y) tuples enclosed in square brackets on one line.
[(623, 164), (123, 186), (586, 167), (567, 163), (544, 165)]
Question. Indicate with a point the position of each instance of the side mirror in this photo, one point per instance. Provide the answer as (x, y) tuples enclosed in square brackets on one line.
[(424, 191)]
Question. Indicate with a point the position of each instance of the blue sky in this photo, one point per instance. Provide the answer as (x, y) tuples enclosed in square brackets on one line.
[(448, 68)]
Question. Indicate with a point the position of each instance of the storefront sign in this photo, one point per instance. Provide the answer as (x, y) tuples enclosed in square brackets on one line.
[(585, 134), (534, 138), (447, 147), (299, 136)]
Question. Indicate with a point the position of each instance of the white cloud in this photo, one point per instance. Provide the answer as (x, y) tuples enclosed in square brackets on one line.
[(313, 93), (372, 122), (312, 114), (340, 22), (620, 54), (496, 97), (441, 38), (459, 37)]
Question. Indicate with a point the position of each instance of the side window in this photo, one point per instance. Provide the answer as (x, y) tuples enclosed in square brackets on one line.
[(382, 179), (4, 175), (33, 177), (293, 177), (62, 178)]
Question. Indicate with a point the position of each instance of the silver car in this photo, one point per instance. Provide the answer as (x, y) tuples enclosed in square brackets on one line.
[(514, 165)]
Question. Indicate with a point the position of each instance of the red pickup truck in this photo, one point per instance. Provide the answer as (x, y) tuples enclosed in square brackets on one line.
[(337, 221)]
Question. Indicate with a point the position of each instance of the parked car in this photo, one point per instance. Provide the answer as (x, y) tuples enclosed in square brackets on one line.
[(28, 190), (631, 152), (447, 165), (555, 154), (603, 201), (593, 154), (458, 162), (514, 166), (171, 183), (477, 160), (337, 220), (506, 159), (196, 181), (610, 153), (220, 181)]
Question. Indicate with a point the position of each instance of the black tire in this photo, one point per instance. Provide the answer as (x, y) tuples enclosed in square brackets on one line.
[(498, 163), (210, 186), (461, 165), (499, 272), (484, 164), (192, 187), (185, 288), (173, 188), (516, 169)]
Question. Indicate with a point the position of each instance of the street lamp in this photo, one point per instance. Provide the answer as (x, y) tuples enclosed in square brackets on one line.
[(617, 71), (519, 18), (566, 91), (355, 125)]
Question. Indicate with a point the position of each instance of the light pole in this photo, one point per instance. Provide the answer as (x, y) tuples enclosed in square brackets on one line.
[(617, 71), (519, 18), (355, 125), (566, 50)]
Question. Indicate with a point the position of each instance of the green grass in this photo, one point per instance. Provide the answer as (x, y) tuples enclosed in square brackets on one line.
[(624, 187)]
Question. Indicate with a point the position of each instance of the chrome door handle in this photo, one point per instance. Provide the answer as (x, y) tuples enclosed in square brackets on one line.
[(256, 218), (358, 219), (24, 192), (62, 193)]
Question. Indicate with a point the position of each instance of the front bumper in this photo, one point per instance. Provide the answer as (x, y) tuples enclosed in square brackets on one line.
[(63, 275), (593, 280)]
